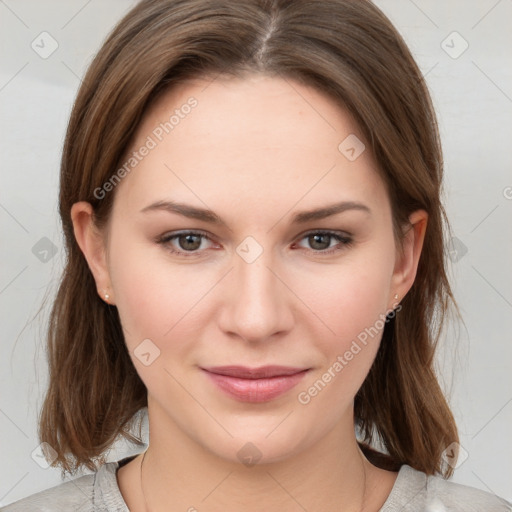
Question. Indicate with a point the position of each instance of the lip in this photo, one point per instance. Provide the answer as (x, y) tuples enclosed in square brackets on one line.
[(255, 384)]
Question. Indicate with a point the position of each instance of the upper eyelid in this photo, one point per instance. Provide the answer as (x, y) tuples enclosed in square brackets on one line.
[(172, 234)]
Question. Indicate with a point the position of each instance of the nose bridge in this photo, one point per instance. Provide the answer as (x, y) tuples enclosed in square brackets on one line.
[(257, 301)]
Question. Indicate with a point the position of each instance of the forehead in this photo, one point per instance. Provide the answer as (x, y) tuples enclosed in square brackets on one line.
[(239, 140), (258, 111)]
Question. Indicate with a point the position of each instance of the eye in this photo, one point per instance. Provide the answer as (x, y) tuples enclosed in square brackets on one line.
[(188, 241), (321, 240)]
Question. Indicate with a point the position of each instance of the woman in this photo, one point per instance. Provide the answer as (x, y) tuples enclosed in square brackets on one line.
[(250, 194)]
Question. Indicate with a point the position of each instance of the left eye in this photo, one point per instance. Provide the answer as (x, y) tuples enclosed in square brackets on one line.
[(189, 242), (321, 238)]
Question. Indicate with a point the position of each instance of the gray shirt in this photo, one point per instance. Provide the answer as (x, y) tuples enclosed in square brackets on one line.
[(413, 492)]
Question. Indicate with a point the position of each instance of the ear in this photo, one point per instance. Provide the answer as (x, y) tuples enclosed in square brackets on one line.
[(93, 245), (406, 262)]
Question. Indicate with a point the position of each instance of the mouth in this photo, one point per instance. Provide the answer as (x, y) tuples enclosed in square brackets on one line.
[(255, 384)]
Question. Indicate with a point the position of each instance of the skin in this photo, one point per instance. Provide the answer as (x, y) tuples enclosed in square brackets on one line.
[(256, 151)]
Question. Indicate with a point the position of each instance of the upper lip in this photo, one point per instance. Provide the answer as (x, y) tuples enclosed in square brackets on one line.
[(261, 372)]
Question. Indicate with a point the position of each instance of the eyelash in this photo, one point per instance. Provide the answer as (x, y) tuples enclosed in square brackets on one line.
[(345, 241)]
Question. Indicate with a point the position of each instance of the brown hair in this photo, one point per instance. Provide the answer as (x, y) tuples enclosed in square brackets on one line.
[(345, 48)]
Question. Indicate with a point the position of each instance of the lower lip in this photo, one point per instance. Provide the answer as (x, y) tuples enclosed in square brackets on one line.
[(256, 390)]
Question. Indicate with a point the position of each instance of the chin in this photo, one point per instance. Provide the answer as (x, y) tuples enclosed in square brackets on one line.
[(261, 443)]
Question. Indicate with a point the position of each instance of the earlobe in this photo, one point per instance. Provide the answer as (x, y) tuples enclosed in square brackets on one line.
[(406, 265), (92, 244)]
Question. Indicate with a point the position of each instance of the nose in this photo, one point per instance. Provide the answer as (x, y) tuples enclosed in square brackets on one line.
[(256, 301)]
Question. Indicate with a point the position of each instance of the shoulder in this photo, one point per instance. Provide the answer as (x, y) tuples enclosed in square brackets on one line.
[(72, 495), (415, 491), (95, 492)]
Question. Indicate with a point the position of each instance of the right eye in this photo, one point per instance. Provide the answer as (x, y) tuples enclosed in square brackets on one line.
[(189, 242)]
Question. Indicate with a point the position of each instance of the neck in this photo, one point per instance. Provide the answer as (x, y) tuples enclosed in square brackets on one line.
[(331, 474)]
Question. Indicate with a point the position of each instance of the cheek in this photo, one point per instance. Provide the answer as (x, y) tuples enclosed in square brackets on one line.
[(153, 296), (350, 302), (355, 311), (156, 301), (347, 299)]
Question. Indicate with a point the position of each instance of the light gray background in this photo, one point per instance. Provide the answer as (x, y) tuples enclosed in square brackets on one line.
[(472, 93)]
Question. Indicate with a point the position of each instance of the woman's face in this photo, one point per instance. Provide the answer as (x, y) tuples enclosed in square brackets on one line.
[(251, 285)]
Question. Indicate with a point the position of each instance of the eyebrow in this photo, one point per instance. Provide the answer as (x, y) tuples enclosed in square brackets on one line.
[(211, 217)]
